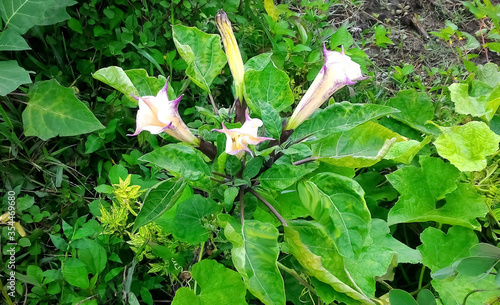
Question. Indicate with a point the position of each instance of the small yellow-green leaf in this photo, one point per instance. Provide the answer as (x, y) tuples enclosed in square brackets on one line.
[(467, 146)]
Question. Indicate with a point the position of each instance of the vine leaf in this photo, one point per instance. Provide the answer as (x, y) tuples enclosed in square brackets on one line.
[(440, 250), (467, 146), (482, 104), (422, 187), (416, 108), (219, 285)]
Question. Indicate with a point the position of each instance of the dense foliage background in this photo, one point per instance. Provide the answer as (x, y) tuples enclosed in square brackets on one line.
[(432, 204)]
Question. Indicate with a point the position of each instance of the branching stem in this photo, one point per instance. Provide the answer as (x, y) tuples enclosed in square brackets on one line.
[(297, 276), (269, 206)]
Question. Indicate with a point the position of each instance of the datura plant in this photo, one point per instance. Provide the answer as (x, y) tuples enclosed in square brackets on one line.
[(278, 194)]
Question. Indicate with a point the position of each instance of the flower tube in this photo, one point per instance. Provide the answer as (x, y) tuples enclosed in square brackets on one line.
[(232, 52), (159, 114), (339, 70), (238, 139)]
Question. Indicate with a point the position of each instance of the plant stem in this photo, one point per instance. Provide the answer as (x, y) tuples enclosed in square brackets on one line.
[(297, 276), (221, 175), (217, 180), (199, 260), (242, 206), (477, 290), (310, 159), (269, 206), (213, 103), (421, 278)]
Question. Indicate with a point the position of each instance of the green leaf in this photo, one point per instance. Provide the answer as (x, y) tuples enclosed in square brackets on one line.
[(202, 52), (92, 254), (112, 273), (180, 159), (75, 25), (21, 15), (374, 261), (382, 237), (341, 37), (476, 265), (485, 250), (319, 256), (467, 146), (416, 109), (186, 296), (404, 152), (255, 252), (454, 291), (188, 223), (258, 62), (337, 204), (55, 110), (339, 117), (362, 146), (229, 196), (57, 12), (480, 106), (12, 76), (219, 285), (401, 297), (159, 199), (268, 86), (422, 187), (281, 176), (11, 40), (440, 250), (489, 74), (425, 297), (75, 273), (35, 273), (252, 167), (147, 85), (118, 79), (381, 38), (271, 119)]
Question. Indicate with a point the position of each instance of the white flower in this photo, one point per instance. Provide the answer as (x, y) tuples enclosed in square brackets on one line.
[(339, 70), (238, 139), (159, 114)]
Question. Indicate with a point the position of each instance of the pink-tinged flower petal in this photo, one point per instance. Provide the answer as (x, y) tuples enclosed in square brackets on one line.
[(338, 71), (238, 139), (159, 114), (147, 118)]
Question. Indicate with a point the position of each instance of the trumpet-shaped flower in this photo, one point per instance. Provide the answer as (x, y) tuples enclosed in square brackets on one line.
[(238, 139), (159, 114), (232, 51), (339, 70)]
